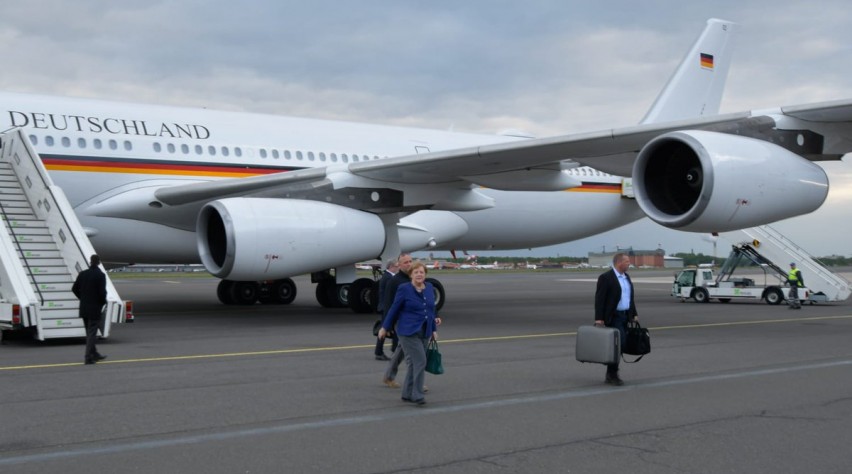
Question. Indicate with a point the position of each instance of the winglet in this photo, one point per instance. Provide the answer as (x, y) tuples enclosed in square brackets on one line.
[(695, 89)]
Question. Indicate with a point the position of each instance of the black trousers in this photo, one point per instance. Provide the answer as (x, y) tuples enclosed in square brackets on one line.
[(619, 321), (91, 336)]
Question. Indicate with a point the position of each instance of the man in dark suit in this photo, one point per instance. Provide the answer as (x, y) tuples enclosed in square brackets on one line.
[(614, 305), (387, 276), (90, 289)]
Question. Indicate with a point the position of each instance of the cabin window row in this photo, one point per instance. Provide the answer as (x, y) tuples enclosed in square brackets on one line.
[(97, 143), (211, 150)]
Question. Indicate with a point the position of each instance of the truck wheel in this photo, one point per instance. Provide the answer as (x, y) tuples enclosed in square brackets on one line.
[(700, 295), (773, 296)]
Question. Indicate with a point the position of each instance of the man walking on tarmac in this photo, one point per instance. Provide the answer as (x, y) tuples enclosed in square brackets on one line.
[(794, 277), (90, 288)]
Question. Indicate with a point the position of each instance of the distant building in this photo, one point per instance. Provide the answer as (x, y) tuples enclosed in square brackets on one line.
[(638, 258)]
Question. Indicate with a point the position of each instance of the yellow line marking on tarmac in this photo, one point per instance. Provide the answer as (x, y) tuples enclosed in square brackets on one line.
[(448, 341)]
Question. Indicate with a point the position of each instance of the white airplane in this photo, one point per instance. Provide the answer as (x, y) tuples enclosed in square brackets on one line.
[(258, 198)]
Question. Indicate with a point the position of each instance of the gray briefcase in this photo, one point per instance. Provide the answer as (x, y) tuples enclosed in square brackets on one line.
[(600, 345)]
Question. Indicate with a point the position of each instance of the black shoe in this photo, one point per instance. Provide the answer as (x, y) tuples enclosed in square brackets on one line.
[(382, 357), (407, 400), (100, 357), (89, 362), (420, 402), (614, 380)]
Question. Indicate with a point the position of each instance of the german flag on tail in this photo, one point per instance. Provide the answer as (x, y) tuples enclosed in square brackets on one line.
[(707, 61)]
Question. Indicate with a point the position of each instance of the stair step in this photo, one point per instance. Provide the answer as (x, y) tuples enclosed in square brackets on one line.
[(46, 262), (51, 253), (40, 239), (37, 246), (51, 278)]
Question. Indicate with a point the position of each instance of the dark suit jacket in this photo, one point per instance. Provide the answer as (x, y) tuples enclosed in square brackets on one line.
[(389, 292), (90, 288), (383, 285), (607, 296)]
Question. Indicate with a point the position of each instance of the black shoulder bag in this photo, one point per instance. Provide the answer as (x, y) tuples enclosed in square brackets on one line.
[(637, 341)]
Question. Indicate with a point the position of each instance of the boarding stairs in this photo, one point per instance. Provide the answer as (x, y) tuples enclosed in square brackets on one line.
[(781, 251), (42, 249)]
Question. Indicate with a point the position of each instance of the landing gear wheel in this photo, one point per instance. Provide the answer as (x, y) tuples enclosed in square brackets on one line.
[(440, 294), (277, 292), (331, 295), (283, 291), (361, 295), (323, 293), (244, 292), (223, 291)]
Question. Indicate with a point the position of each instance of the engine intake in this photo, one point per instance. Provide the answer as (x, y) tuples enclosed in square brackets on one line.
[(703, 181)]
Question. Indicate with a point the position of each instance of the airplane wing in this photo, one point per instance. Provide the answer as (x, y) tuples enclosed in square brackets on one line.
[(826, 128)]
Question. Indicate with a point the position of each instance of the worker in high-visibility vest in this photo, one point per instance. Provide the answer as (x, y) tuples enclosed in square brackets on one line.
[(794, 277)]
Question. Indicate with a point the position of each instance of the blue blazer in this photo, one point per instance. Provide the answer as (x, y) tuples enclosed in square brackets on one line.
[(411, 310)]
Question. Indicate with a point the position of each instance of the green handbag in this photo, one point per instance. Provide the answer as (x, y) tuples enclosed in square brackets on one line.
[(433, 358)]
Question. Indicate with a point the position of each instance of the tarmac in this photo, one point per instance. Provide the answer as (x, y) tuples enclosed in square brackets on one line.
[(197, 386)]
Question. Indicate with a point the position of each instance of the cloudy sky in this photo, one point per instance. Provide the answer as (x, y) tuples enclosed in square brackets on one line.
[(545, 67)]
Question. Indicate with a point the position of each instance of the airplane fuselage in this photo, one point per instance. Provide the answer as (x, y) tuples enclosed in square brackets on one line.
[(95, 150)]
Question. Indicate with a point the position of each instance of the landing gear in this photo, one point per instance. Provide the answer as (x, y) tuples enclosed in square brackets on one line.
[(440, 295), (331, 295), (249, 292), (363, 295)]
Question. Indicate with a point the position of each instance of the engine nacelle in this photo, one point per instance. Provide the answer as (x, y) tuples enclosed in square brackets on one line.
[(703, 181), (266, 239)]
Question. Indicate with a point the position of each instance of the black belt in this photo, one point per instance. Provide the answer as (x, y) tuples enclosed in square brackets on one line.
[(618, 311)]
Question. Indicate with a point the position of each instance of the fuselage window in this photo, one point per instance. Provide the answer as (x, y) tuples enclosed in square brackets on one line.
[(298, 155), (97, 143), (199, 149), (225, 151), (127, 145), (171, 147), (311, 156), (287, 154), (263, 152), (157, 147), (81, 143), (211, 150), (276, 154), (238, 151), (66, 142), (322, 156), (113, 145), (48, 140), (184, 149), (344, 158), (34, 140), (333, 157)]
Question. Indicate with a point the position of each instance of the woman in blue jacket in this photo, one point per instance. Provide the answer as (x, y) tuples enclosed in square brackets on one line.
[(413, 313)]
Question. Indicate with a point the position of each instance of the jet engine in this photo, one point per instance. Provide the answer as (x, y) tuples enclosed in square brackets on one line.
[(703, 181), (265, 239)]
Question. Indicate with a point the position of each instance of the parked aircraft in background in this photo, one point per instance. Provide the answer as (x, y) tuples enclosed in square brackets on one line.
[(258, 198)]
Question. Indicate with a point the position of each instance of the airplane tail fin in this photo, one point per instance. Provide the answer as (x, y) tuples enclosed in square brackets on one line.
[(695, 89)]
